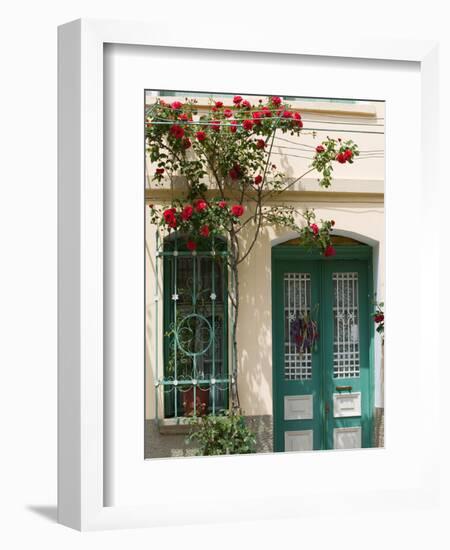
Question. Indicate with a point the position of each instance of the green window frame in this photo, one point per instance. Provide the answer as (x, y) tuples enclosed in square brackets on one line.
[(195, 327)]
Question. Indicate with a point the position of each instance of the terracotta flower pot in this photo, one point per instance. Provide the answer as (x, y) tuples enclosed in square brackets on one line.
[(201, 398)]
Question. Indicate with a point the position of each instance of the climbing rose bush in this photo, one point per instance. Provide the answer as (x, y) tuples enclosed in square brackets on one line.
[(223, 156), (230, 147)]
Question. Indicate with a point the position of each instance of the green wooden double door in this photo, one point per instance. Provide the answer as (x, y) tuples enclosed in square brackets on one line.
[(322, 354)]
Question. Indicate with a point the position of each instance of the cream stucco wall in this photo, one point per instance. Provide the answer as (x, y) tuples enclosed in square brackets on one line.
[(355, 202)]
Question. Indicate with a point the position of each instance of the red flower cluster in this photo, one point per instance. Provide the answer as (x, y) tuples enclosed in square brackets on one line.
[(177, 131), (176, 105), (378, 318), (315, 229), (228, 113), (258, 179), (257, 116), (204, 231), (275, 100), (200, 205), (320, 149), (191, 245), (187, 212), (298, 119), (329, 251), (237, 99), (233, 126), (200, 135), (170, 218), (260, 144), (344, 156), (247, 124), (159, 171), (215, 125), (237, 210)]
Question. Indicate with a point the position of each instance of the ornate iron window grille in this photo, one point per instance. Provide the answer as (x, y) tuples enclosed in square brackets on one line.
[(193, 379)]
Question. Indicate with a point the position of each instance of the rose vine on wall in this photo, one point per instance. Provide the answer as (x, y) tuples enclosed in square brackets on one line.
[(232, 189)]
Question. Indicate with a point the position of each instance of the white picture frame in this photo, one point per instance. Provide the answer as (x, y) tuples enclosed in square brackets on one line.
[(84, 487)]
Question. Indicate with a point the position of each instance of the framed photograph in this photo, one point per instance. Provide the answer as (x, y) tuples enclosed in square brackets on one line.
[(234, 224)]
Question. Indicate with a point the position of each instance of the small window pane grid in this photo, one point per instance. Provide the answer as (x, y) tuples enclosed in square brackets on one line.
[(297, 302), (346, 325), (194, 378)]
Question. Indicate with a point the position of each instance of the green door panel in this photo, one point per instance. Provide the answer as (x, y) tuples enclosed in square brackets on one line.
[(328, 393)]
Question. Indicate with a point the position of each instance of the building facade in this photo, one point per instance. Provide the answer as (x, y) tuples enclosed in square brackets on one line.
[(330, 397)]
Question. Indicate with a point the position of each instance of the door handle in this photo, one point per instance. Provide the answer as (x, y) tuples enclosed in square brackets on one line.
[(344, 388), (327, 408)]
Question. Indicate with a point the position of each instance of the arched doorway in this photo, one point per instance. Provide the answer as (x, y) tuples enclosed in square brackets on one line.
[(322, 346)]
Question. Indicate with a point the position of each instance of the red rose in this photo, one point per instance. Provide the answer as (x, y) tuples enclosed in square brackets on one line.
[(191, 245), (298, 120), (215, 125), (169, 213), (379, 318), (183, 116), (219, 104), (320, 149), (266, 111), (170, 218), (201, 205), (204, 231), (287, 114), (200, 135), (247, 125), (260, 144), (237, 99), (235, 172), (257, 117), (314, 228), (246, 104), (275, 100), (340, 157), (348, 153), (176, 105), (228, 113), (222, 204), (177, 131), (329, 251), (159, 170), (187, 212), (258, 179), (237, 210), (233, 126), (186, 143)]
